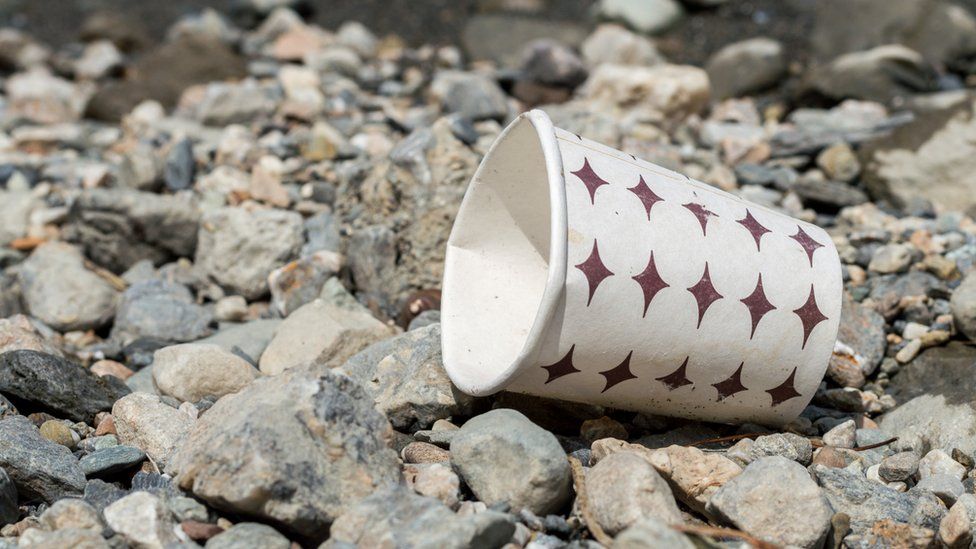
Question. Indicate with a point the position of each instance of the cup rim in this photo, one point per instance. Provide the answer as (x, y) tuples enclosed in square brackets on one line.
[(557, 269)]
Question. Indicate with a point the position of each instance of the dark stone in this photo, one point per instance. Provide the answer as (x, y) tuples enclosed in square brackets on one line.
[(100, 494), (41, 470), (828, 196), (9, 512), (58, 385), (180, 166), (111, 460)]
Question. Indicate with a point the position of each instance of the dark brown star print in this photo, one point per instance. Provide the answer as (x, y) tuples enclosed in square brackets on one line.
[(785, 391), (647, 197), (810, 316), (677, 378), (563, 367), (754, 227), (650, 282), (808, 244), (757, 304), (594, 270), (732, 385), (701, 213), (705, 294), (590, 179), (619, 373)]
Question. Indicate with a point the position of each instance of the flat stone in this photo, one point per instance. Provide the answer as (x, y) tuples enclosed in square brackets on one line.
[(53, 383), (945, 487), (747, 66), (624, 488), (898, 467), (160, 310), (41, 470), (248, 339), (775, 500), (504, 457), (191, 371), (111, 460), (879, 74), (142, 420), (244, 535)]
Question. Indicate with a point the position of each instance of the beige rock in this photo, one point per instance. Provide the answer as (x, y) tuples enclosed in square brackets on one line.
[(111, 368), (17, 333), (192, 371), (144, 421), (956, 528), (57, 432), (76, 538), (661, 91), (143, 520), (434, 480), (693, 475), (624, 488), (71, 513)]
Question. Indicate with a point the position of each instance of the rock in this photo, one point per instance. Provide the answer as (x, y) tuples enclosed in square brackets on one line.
[(881, 74), (661, 91), (160, 310), (867, 502), (775, 500), (15, 210), (839, 163), (117, 228), (615, 45), (249, 534), (41, 470), (650, 16), (898, 467), (301, 281), (71, 513), (323, 332), (692, 474), (936, 146), (57, 432), (649, 533), (471, 95), (841, 436), (862, 331), (437, 481), (424, 452), (828, 195), (239, 249), (963, 303), (61, 292), (8, 499), (142, 519), (35, 538), (53, 383), (786, 445), (142, 420), (503, 457), (937, 462), (192, 371), (745, 67), (111, 460), (936, 408), (249, 339), (956, 528), (624, 488), (406, 377), (480, 32), (180, 166), (395, 517), (231, 309), (552, 63), (297, 448), (40, 97), (945, 487), (891, 258), (17, 333)]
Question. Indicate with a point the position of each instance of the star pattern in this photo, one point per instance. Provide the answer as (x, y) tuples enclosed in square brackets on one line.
[(758, 305), (590, 179), (705, 294), (785, 391), (618, 374), (810, 316), (701, 213), (647, 197), (732, 385), (677, 378), (808, 244), (563, 367), (650, 282), (594, 270), (754, 227)]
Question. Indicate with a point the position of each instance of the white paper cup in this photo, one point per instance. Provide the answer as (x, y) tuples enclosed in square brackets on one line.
[(575, 271)]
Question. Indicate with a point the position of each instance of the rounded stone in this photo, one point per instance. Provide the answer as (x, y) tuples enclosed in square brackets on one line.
[(57, 432), (192, 371), (624, 488)]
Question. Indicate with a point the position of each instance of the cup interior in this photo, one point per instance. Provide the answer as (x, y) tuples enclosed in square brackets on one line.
[(500, 258)]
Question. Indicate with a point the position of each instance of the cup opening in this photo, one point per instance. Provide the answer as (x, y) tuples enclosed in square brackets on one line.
[(506, 258)]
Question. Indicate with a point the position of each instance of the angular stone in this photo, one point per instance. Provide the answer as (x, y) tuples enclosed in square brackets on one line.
[(192, 371), (111, 460), (71, 513), (248, 339), (693, 475), (160, 310), (963, 303), (142, 519), (48, 382), (662, 91), (17, 333), (144, 421), (41, 470), (956, 528)]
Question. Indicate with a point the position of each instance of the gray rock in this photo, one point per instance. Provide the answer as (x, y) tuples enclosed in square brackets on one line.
[(913, 283), (843, 435), (180, 166), (945, 487), (963, 304), (41, 469), (863, 331), (775, 500), (245, 535), (100, 494), (828, 195), (15, 209), (142, 382), (880, 74), (406, 377), (867, 502), (239, 249), (787, 445), (297, 448), (396, 517), (471, 95), (504, 457), (650, 533), (647, 16), (898, 467), (61, 292), (891, 258), (160, 310), (117, 228), (321, 234), (9, 512), (111, 460), (552, 63), (745, 67), (624, 488), (58, 385), (481, 30), (300, 281), (248, 339), (372, 257)]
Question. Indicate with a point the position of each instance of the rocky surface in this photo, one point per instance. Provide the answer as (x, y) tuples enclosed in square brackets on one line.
[(241, 219)]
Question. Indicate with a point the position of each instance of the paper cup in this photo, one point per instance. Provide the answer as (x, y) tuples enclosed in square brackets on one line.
[(575, 271)]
